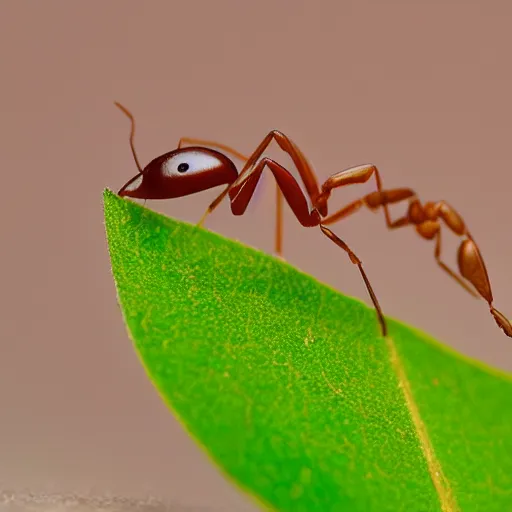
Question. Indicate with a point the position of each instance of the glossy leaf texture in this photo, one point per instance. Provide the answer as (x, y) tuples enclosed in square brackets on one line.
[(290, 390)]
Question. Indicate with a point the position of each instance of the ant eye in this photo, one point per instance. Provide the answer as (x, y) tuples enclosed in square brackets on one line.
[(183, 167)]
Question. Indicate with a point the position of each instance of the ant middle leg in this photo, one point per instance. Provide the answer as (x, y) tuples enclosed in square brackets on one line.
[(356, 261), (241, 194)]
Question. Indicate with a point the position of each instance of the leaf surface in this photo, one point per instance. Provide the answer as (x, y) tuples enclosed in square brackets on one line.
[(289, 388)]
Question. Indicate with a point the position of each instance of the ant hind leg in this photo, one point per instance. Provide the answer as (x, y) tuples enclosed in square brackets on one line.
[(473, 269), (447, 269)]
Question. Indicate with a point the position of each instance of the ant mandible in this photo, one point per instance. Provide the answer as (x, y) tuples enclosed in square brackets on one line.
[(187, 170)]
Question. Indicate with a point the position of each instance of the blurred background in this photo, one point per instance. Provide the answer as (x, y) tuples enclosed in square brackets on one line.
[(422, 89)]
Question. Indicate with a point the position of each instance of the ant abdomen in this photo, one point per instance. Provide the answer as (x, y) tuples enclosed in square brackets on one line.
[(472, 268)]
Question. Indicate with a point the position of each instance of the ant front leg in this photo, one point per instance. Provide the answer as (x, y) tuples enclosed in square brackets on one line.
[(305, 171), (241, 192)]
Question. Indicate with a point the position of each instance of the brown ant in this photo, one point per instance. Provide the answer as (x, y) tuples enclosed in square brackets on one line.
[(187, 170)]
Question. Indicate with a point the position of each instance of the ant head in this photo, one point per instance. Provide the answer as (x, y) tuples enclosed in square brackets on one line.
[(181, 172)]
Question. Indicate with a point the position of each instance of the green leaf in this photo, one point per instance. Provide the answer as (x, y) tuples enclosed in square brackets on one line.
[(289, 388)]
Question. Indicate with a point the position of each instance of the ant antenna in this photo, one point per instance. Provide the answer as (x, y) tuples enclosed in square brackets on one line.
[(132, 133)]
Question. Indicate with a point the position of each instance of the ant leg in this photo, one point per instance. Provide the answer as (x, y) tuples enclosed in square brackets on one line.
[(354, 259), (288, 146), (473, 269), (358, 175), (241, 194), (279, 223), (223, 147), (470, 262), (429, 229), (306, 173), (235, 153), (132, 133), (447, 269), (358, 203)]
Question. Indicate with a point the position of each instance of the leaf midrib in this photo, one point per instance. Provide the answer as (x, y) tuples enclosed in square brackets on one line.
[(442, 485)]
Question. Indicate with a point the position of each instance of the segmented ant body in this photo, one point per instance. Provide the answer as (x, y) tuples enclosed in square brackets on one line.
[(187, 170)]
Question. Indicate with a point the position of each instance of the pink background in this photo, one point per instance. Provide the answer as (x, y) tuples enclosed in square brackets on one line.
[(422, 89)]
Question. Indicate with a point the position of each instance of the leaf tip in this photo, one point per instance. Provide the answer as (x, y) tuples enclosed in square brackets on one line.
[(108, 195)]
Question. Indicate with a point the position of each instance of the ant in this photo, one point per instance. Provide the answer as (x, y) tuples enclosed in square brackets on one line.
[(187, 170)]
